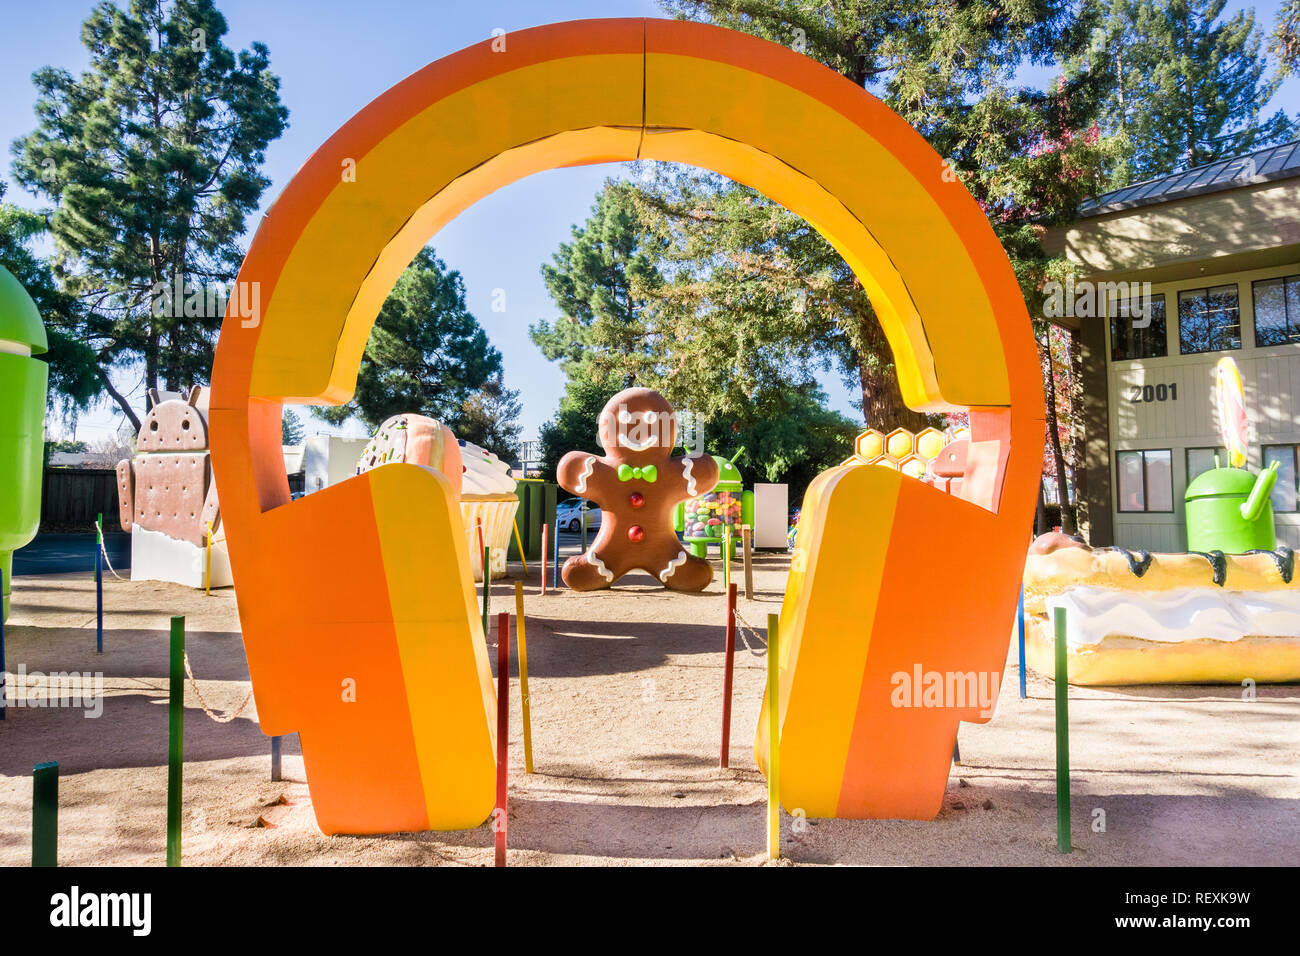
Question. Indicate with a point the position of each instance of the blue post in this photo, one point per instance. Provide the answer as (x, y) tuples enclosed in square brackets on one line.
[(275, 758), (99, 585), (1020, 624), (4, 690), (555, 565)]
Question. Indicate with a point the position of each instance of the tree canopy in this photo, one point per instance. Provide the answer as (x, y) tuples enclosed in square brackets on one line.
[(428, 354), (1185, 86), (151, 159)]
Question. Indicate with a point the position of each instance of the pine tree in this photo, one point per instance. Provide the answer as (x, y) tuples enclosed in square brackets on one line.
[(291, 428), (426, 354), (1189, 85), (1286, 38), (151, 158), (601, 281), (490, 419)]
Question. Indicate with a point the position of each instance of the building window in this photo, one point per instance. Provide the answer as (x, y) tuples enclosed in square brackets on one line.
[(1130, 341), (1209, 320), (1277, 310), (1285, 491), (1146, 481), (1204, 459)]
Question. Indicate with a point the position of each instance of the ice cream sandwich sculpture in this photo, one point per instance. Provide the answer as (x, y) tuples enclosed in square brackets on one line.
[(22, 422), (167, 499), (1228, 610), (1133, 617)]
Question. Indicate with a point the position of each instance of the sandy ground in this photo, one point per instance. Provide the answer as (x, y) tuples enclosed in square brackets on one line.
[(626, 699)]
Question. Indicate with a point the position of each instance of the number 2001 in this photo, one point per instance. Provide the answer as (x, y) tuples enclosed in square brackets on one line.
[(1153, 393)]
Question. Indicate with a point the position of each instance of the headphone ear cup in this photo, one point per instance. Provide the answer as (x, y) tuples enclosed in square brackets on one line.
[(883, 627), (366, 642)]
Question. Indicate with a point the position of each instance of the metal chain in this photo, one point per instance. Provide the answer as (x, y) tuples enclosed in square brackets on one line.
[(219, 718), (746, 626)]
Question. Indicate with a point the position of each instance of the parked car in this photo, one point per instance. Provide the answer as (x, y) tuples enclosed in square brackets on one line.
[(569, 514)]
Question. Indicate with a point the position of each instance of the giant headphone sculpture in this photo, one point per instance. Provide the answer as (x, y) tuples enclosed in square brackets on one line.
[(356, 603)]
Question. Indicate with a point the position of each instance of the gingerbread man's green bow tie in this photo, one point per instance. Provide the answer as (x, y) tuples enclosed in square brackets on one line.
[(647, 473)]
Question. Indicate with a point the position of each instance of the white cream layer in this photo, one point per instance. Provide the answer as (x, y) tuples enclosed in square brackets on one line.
[(485, 473), (1186, 614)]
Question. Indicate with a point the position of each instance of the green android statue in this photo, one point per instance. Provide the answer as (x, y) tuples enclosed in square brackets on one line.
[(1229, 510), (22, 422), (702, 520)]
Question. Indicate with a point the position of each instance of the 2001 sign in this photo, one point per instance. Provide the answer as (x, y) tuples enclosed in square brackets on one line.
[(1153, 393)]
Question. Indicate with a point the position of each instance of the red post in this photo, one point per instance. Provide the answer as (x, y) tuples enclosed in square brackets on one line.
[(500, 817), (545, 528), (726, 676)]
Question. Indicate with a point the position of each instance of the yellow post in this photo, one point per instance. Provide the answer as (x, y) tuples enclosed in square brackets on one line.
[(726, 556), (523, 676), (773, 740), (207, 569), (520, 541)]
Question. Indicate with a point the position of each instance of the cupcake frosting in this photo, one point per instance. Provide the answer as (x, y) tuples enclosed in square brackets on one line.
[(485, 473)]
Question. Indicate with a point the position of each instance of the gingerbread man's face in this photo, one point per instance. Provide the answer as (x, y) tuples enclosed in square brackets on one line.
[(638, 426)]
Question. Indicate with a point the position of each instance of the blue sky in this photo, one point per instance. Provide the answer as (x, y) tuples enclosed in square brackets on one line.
[(333, 58)]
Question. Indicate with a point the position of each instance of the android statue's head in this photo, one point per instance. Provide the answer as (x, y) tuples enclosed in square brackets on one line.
[(176, 424), (729, 476), (22, 420), (1228, 510)]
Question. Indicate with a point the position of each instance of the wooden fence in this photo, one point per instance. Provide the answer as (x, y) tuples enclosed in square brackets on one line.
[(72, 497)]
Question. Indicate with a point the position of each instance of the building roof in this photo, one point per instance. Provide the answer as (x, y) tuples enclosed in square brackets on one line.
[(1275, 162)]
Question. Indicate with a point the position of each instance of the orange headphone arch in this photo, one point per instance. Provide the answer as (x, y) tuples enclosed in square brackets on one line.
[(344, 633)]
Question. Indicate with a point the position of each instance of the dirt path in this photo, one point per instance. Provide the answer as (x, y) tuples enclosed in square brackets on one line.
[(626, 695)]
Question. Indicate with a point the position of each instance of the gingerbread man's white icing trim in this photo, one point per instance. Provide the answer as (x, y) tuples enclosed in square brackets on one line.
[(587, 467), (599, 565), (673, 565), (686, 473)]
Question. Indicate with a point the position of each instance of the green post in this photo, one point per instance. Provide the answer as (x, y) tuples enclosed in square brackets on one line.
[(487, 583), (45, 814), (175, 729), (1061, 678)]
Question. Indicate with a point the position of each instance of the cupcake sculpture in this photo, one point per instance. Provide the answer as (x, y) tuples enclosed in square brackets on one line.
[(487, 497), (479, 478)]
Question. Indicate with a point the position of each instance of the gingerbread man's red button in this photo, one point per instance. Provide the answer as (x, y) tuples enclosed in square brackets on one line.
[(635, 533), (636, 499)]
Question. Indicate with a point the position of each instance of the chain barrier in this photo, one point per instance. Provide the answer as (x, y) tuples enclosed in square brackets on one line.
[(219, 718), (746, 626), (104, 551)]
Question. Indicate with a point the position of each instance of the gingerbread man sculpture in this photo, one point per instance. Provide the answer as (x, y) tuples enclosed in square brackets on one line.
[(637, 484)]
